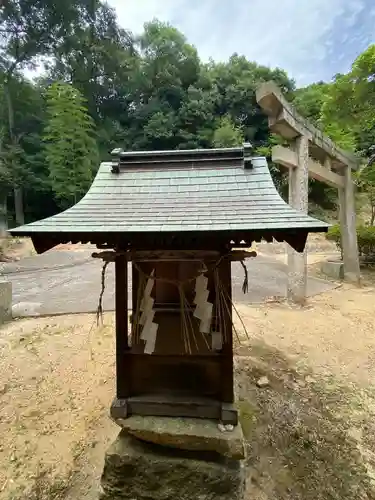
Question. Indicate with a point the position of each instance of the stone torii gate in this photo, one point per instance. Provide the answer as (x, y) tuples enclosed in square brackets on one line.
[(311, 153)]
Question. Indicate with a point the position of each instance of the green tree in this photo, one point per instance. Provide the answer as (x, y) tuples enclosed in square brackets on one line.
[(169, 64), (348, 113), (5, 182), (309, 101), (149, 92), (70, 148), (364, 178), (280, 176), (236, 82), (227, 134), (196, 119), (29, 31), (167, 72), (98, 59), (22, 162)]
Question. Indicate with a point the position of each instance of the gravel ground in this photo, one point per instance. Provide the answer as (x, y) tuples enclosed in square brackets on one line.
[(57, 382)]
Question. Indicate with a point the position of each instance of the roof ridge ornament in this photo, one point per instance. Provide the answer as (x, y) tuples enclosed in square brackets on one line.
[(116, 154), (247, 154)]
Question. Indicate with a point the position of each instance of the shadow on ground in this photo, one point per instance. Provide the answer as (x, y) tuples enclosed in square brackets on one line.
[(301, 442)]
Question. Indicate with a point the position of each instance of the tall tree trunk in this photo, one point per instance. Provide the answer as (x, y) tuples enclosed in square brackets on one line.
[(18, 190), (18, 205), (91, 98), (3, 215), (10, 109), (3, 206)]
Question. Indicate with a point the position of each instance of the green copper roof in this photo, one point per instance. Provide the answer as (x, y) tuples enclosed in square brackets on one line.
[(202, 190)]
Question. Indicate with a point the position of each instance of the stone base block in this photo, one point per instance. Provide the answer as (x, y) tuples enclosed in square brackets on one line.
[(333, 269), (136, 470), (5, 301), (191, 434)]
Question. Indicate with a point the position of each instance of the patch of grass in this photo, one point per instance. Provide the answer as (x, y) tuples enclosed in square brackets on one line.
[(247, 417), (44, 487), (368, 275), (28, 339), (78, 449), (329, 216)]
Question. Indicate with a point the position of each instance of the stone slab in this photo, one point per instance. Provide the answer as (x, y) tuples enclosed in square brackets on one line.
[(26, 309), (333, 269), (5, 301), (135, 470), (186, 434)]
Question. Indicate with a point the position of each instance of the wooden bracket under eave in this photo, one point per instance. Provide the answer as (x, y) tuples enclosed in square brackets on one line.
[(297, 241), (42, 245), (110, 256)]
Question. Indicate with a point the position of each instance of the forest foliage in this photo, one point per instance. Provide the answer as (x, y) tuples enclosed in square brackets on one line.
[(102, 87)]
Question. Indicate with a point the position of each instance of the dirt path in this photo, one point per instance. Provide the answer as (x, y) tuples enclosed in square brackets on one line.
[(334, 334), (57, 382), (57, 385)]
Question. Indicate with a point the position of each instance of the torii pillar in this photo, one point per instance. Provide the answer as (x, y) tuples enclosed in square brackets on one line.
[(298, 199), (312, 154), (348, 229)]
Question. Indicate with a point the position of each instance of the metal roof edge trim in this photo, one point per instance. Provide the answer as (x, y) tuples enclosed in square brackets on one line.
[(22, 231), (177, 152)]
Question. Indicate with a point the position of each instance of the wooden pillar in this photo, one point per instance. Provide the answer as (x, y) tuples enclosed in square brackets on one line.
[(135, 285), (228, 411), (227, 390), (298, 199), (122, 346), (348, 228)]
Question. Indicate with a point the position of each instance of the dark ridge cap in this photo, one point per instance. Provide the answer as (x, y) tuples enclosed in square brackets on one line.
[(182, 158), (176, 156), (178, 163), (179, 152)]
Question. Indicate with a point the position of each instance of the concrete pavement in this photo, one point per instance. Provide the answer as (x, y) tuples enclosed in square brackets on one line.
[(60, 282)]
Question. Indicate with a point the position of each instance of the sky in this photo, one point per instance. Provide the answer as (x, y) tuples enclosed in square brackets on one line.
[(311, 39)]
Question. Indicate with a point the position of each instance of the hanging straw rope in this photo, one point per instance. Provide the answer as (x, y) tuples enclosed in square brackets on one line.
[(99, 311), (245, 285), (223, 303), (189, 320), (228, 299)]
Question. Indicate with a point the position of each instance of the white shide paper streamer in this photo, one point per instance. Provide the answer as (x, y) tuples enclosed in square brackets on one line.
[(150, 328), (203, 310)]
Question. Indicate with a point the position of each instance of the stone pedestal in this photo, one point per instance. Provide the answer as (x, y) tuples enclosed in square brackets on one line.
[(333, 269), (188, 465), (5, 301)]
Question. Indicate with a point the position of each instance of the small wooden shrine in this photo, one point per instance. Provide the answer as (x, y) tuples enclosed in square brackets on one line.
[(172, 222)]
